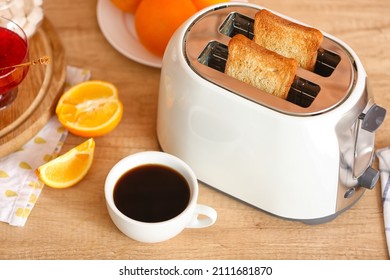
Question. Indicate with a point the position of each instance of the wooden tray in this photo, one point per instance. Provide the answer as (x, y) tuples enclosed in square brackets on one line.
[(38, 93)]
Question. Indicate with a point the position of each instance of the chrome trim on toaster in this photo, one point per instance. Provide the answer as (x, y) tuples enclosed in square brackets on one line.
[(321, 92), (357, 147)]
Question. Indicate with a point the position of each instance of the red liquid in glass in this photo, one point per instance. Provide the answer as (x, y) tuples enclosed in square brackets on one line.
[(13, 50)]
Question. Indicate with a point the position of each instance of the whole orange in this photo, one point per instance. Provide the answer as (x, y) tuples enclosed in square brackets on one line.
[(157, 20), (128, 6), (200, 4)]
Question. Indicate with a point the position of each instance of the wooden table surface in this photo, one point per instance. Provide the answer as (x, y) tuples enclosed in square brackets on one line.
[(74, 224)]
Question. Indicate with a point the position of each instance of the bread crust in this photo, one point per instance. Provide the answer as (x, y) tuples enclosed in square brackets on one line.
[(287, 38), (259, 67)]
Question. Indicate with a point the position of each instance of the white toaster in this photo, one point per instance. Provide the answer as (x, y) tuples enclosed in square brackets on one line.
[(307, 158)]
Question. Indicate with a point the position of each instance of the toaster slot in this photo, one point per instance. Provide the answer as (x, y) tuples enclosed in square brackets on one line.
[(326, 62), (214, 55), (236, 23), (302, 92)]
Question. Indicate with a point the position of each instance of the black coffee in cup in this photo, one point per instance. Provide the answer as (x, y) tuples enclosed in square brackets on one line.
[(151, 193)]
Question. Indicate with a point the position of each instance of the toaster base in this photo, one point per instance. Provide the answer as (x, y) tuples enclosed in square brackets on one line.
[(316, 221)]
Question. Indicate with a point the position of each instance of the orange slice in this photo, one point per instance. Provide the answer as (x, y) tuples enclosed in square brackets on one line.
[(68, 169), (90, 109)]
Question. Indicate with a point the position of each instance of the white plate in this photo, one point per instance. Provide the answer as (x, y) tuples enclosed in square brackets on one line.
[(118, 28)]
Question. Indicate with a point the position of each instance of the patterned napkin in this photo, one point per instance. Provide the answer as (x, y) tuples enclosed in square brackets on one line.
[(19, 186), (384, 167)]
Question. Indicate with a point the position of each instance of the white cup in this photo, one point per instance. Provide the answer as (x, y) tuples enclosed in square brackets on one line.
[(193, 216)]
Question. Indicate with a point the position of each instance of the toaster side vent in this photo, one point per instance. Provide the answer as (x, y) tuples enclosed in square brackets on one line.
[(302, 92), (236, 23)]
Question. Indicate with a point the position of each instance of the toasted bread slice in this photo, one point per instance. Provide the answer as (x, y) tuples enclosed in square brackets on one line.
[(259, 67), (287, 38)]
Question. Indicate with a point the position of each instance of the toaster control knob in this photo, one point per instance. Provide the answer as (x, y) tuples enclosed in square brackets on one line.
[(373, 118), (369, 178)]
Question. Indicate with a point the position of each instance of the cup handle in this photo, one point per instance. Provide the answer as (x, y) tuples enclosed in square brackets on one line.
[(204, 216)]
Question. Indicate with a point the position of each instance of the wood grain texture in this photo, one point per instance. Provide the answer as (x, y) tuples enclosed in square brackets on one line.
[(74, 224), (38, 93)]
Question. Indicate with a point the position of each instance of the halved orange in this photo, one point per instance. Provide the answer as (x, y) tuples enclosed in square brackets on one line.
[(68, 169), (90, 109)]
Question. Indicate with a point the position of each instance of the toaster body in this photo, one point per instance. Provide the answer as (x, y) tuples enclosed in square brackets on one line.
[(307, 158)]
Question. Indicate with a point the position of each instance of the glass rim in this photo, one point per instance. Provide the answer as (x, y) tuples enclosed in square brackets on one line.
[(18, 27)]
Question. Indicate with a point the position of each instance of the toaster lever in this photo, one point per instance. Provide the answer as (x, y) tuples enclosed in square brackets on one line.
[(369, 178), (373, 118), (368, 122)]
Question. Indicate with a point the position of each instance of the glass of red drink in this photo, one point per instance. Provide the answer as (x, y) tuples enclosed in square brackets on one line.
[(13, 51)]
